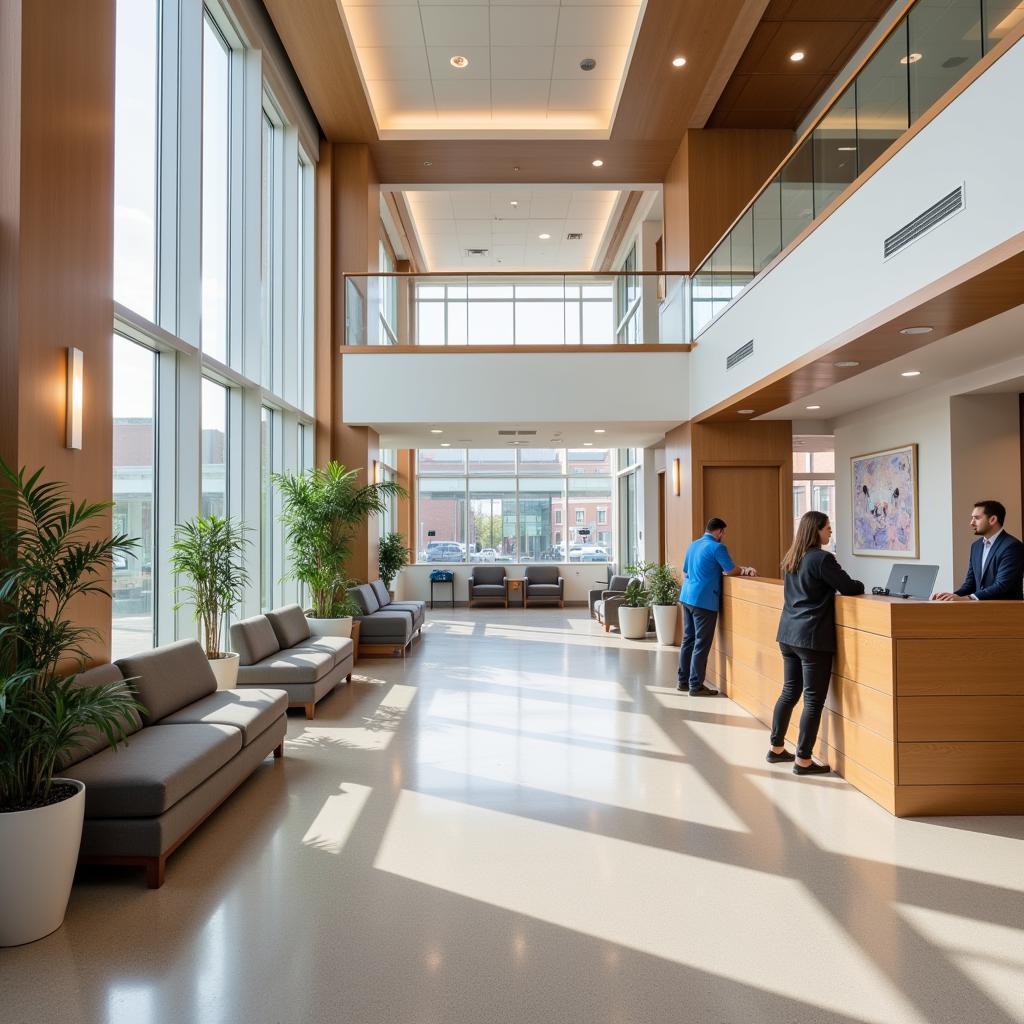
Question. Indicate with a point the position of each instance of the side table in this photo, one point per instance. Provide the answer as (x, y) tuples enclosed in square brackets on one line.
[(513, 587), (442, 583)]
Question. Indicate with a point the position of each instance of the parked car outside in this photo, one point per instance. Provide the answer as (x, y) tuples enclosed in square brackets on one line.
[(444, 551), (588, 553)]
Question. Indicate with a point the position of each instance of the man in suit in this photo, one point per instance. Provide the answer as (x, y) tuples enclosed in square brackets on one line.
[(996, 569)]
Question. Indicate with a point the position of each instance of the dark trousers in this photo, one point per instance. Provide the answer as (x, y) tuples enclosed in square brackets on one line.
[(698, 633), (807, 672)]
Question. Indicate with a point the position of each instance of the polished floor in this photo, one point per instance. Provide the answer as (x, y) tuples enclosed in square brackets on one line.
[(524, 822)]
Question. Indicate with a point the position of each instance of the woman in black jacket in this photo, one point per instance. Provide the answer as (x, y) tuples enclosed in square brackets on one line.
[(807, 637)]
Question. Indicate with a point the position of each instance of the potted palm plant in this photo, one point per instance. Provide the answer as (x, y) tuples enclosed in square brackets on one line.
[(663, 586), (392, 558), (208, 552), (322, 510), (52, 552), (635, 610)]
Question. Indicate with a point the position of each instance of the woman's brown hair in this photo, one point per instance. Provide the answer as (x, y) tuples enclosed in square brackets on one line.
[(811, 523)]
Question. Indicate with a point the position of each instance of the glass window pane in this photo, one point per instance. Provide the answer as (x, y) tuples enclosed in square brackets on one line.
[(430, 323), (702, 296), (945, 42), (458, 323), (268, 238), (541, 512), (214, 448), (441, 510), (266, 507), (767, 225), (835, 150), (492, 460), (490, 323), (134, 385), (801, 462), (216, 126), (742, 252), (721, 277), (492, 520), (1001, 18), (823, 462), (589, 461), (540, 323), (598, 328), (585, 497), (135, 155), (442, 460), (541, 461), (797, 193), (882, 100)]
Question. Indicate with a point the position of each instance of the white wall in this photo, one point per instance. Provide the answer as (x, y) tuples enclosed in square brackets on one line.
[(414, 581), (837, 279)]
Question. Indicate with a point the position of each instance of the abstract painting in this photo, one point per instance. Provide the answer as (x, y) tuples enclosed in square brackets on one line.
[(885, 513)]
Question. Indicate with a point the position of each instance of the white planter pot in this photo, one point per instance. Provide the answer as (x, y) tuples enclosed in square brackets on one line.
[(38, 851), (633, 622), (225, 668), (666, 616), (330, 627)]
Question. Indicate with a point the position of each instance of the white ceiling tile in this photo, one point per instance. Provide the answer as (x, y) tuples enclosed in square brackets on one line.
[(526, 98), (596, 26), (551, 226), (500, 204), (507, 233), (466, 96), (611, 61), (384, 26), (439, 58), (522, 62), (394, 62), (403, 96), (550, 205), (584, 209), (458, 25), (524, 26), (581, 94), (587, 3), (471, 205), (509, 253), (433, 205)]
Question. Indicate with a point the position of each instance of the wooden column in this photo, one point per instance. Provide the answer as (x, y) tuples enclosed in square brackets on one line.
[(56, 245), (406, 469)]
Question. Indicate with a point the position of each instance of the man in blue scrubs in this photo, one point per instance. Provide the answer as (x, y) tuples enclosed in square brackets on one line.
[(707, 561)]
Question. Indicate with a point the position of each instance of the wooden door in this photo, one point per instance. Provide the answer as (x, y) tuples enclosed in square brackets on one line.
[(661, 515), (748, 499)]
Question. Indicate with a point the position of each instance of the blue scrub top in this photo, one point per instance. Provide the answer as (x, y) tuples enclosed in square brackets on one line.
[(706, 560)]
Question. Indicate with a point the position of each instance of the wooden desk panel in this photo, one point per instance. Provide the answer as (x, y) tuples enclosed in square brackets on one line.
[(967, 666)]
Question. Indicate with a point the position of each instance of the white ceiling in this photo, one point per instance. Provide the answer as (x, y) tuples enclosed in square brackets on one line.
[(549, 435), (447, 223), (523, 74)]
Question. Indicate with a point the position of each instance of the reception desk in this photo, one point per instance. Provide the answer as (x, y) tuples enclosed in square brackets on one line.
[(925, 713)]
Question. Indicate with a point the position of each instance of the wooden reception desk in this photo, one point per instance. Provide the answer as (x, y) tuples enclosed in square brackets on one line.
[(925, 713)]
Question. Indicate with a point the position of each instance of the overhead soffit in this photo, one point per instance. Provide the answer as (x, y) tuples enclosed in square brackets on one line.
[(523, 73)]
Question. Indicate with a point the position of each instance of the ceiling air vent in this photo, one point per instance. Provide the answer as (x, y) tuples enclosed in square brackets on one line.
[(506, 433), (477, 252), (946, 207), (574, 236), (739, 355), (527, 433)]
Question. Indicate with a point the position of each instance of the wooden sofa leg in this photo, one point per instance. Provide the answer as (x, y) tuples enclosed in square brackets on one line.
[(155, 871), (348, 678), (279, 749), (310, 711), (607, 627)]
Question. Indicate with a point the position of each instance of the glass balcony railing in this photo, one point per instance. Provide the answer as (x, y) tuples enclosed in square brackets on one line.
[(921, 58), (444, 310)]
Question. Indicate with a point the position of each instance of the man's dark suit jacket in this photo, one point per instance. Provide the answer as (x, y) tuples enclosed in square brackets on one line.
[(1003, 578)]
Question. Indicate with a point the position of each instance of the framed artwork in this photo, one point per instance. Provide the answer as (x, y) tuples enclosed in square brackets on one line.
[(885, 506)]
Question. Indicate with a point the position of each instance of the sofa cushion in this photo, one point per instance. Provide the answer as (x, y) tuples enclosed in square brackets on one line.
[(387, 624), (545, 590), (339, 647), (92, 740), (381, 593), (169, 677), (294, 666), (155, 770), (365, 598), (488, 590), (488, 575), (290, 626), (250, 710), (254, 639)]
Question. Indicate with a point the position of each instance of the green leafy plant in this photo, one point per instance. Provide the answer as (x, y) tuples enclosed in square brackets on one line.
[(50, 555), (208, 552), (322, 510), (663, 585), (635, 596), (392, 558)]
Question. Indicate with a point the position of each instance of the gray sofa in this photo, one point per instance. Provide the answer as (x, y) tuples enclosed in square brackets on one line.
[(386, 627), (487, 583), (190, 748), (543, 584), (278, 650), (606, 602)]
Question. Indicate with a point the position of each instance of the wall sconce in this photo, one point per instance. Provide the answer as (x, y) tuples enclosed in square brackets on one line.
[(376, 471), (676, 479), (74, 399)]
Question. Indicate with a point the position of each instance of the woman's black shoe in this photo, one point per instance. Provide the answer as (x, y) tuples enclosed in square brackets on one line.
[(774, 758), (811, 769)]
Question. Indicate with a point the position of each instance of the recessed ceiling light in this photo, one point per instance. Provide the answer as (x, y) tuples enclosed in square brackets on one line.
[(917, 330), (846, 364), (846, 149), (436, 430), (911, 373), (588, 64), (428, 163), (544, 236), (796, 56), (812, 407), (597, 163), (678, 62), (599, 430), (588, 444), (459, 62), (745, 412), (446, 444), (911, 59), (513, 202)]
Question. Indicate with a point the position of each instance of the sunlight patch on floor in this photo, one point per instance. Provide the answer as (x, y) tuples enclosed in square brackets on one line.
[(334, 823), (377, 730)]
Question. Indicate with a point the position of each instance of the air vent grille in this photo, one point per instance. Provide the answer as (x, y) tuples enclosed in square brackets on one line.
[(739, 355), (932, 217), (574, 236), (506, 433), (477, 252)]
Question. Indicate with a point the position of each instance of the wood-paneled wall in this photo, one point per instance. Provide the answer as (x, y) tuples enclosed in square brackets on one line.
[(925, 713), (56, 245)]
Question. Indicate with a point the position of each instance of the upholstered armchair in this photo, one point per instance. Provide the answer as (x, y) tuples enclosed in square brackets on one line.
[(487, 583), (616, 585), (543, 583)]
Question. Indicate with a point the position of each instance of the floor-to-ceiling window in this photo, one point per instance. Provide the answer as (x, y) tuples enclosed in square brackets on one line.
[(214, 448), (630, 483), (814, 479)]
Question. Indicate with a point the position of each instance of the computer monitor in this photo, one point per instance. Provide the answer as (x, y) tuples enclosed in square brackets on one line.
[(912, 580)]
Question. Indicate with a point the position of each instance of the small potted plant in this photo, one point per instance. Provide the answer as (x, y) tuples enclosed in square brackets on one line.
[(392, 558), (322, 510), (635, 610), (50, 555), (663, 586), (208, 552)]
